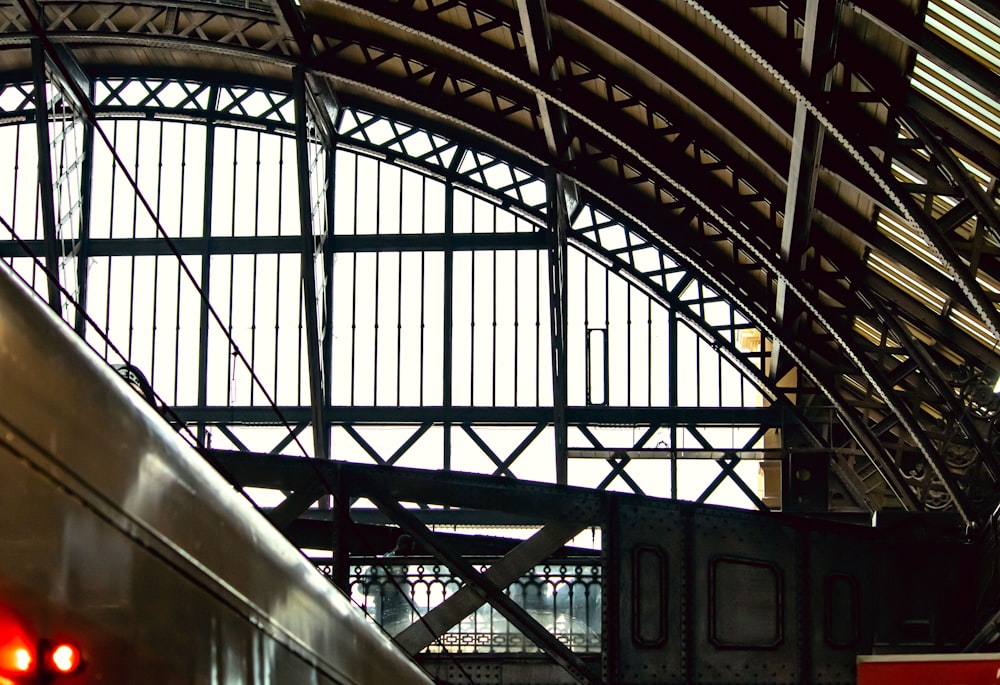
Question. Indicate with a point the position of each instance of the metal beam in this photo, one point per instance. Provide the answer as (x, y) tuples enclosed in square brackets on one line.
[(327, 106), (932, 374), (295, 505), (458, 490), (232, 245), (537, 33), (518, 617), (818, 44), (773, 416), (448, 323), (421, 634), (558, 219), (46, 186), (838, 127), (206, 272), (83, 245), (314, 348), (984, 206)]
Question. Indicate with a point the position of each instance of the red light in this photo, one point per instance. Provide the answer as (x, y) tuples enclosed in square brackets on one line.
[(62, 658), (15, 657), (17, 652)]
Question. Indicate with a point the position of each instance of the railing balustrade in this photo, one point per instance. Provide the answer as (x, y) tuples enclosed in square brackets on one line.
[(564, 596)]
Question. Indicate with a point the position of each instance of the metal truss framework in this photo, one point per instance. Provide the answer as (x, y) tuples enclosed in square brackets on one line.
[(503, 82), (668, 571)]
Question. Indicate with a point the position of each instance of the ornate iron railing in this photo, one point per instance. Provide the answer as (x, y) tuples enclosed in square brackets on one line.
[(564, 596)]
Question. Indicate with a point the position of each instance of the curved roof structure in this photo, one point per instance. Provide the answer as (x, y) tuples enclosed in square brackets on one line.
[(827, 168)]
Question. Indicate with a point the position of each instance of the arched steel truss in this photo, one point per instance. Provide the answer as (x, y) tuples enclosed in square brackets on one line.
[(539, 87)]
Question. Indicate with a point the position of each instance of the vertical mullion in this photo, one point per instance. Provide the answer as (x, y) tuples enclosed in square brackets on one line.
[(649, 351), (331, 177), (672, 388), (718, 366), (399, 298), (253, 270), (517, 312), (494, 253), (697, 348), (302, 324), (17, 174), (538, 329), (399, 325), (378, 264), (449, 300), (558, 221), (354, 285), (607, 340), (230, 359), (180, 230), (378, 198), (277, 274), (472, 337), (378, 278), (628, 337), (423, 328), (423, 286), (354, 322), (206, 261), (111, 234), (732, 336), (83, 254), (133, 259), (151, 372)]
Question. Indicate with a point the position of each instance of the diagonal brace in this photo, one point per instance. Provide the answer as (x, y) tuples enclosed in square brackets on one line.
[(518, 617), (502, 573)]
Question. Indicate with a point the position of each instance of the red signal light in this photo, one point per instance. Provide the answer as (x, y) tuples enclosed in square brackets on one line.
[(62, 658), (16, 657), (17, 652)]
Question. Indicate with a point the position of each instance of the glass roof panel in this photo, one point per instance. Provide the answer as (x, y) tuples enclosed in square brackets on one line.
[(968, 103), (970, 32)]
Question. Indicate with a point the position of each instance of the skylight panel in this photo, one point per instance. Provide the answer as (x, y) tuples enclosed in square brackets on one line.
[(949, 92), (906, 237), (983, 178), (970, 32), (931, 298), (868, 331), (973, 326)]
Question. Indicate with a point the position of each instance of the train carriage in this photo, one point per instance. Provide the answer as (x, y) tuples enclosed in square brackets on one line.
[(119, 540)]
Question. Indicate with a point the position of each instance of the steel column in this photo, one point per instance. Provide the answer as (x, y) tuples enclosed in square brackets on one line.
[(317, 382), (46, 189), (86, 200), (448, 319), (206, 263), (818, 44), (558, 226)]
